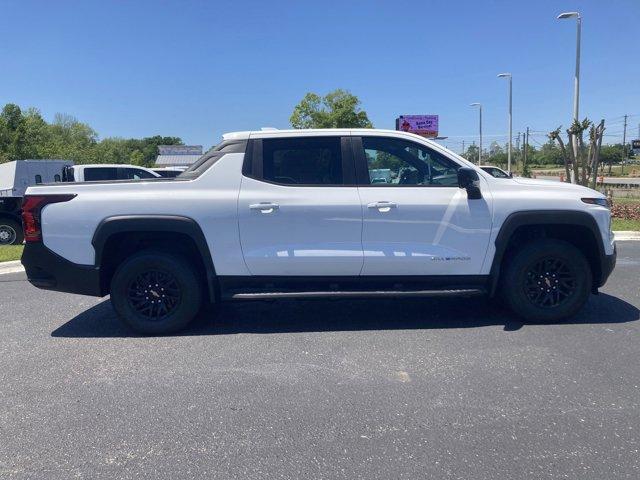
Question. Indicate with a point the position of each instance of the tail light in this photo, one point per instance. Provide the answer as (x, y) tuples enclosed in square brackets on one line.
[(32, 206)]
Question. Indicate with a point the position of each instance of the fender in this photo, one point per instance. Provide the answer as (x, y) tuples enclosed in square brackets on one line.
[(543, 217), (156, 223)]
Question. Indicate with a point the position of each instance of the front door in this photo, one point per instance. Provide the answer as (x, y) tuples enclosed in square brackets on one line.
[(299, 211), (416, 219)]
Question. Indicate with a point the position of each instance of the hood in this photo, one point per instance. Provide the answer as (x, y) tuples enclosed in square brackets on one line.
[(556, 185)]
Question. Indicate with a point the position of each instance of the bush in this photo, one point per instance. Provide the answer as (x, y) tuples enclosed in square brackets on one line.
[(628, 211)]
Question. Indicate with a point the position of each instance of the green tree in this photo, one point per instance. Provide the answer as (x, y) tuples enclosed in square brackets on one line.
[(337, 109), (26, 134), (471, 154), (548, 154)]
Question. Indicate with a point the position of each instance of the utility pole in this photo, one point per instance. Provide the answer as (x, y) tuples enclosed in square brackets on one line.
[(526, 147), (517, 149), (624, 145), (510, 77), (463, 147), (479, 105)]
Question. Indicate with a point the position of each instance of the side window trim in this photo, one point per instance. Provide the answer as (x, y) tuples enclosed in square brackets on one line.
[(253, 166), (362, 167)]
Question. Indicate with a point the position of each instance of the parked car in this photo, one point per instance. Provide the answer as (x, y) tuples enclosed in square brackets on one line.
[(15, 178), (296, 214), (106, 171), (496, 172)]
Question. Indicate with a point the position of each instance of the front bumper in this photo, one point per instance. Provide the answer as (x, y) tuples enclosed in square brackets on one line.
[(49, 271), (607, 264)]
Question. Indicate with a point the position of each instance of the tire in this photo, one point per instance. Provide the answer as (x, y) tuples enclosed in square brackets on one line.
[(10, 232), (156, 293), (546, 281)]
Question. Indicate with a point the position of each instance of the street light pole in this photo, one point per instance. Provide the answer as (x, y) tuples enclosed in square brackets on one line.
[(480, 150), (508, 75), (576, 80)]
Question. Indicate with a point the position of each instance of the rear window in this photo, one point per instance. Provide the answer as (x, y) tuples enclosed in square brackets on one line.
[(302, 161), (95, 174)]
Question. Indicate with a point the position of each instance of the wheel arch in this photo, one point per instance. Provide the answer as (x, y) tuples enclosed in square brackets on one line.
[(117, 237), (576, 227)]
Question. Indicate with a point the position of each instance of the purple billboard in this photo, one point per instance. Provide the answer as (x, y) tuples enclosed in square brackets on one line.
[(424, 125)]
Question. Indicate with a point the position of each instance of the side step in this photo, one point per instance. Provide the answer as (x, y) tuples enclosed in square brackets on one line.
[(466, 292)]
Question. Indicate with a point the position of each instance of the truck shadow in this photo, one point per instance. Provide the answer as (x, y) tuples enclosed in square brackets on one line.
[(344, 315)]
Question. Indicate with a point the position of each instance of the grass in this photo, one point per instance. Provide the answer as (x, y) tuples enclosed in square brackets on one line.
[(10, 252), (620, 224)]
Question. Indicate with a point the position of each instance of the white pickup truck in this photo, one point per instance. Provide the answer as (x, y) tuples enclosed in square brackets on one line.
[(303, 214)]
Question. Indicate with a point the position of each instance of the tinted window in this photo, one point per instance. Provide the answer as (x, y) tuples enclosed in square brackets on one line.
[(56, 178), (392, 161), (93, 174), (302, 161), (168, 173), (495, 172), (134, 174), (38, 179)]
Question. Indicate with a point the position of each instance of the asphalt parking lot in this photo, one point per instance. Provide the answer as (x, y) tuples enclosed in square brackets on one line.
[(322, 389)]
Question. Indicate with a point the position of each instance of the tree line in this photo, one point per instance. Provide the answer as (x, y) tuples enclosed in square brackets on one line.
[(27, 135), (549, 154)]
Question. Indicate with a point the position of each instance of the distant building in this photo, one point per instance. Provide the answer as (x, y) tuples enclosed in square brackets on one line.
[(178, 155)]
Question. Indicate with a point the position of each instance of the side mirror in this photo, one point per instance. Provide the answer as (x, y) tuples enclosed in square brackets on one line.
[(469, 180)]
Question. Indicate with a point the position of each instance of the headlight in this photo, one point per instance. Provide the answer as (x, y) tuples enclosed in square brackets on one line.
[(603, 202)]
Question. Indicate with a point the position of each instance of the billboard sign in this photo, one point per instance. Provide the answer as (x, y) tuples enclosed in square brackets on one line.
[(424, 125), (180, 149)]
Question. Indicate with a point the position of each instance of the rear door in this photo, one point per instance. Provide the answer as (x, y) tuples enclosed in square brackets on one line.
[(299, 210), (416, 219)]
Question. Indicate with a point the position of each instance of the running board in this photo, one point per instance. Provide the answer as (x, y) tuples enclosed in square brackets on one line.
[(467, 292)]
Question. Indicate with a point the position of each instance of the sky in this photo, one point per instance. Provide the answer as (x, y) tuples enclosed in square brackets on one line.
[(197, 69)]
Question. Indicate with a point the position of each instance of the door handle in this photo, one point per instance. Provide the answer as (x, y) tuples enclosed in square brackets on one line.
[(264, 207), (383, 206)]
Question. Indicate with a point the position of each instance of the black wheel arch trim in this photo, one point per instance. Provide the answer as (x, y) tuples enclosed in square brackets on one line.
[(156, 223), (546, 217)]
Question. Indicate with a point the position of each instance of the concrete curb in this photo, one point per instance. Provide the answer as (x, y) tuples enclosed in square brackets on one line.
[(16, 266), (11, 267), (627, 236)]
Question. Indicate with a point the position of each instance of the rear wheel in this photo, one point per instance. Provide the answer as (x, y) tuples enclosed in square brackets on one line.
[(156, 292), (547, 280), (10, 232)]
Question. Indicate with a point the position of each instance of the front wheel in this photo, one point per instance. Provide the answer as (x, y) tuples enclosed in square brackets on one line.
[(547, 280), (156, 293)]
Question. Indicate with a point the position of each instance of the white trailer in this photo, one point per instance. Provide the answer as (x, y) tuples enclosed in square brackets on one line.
[(16, 176)]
